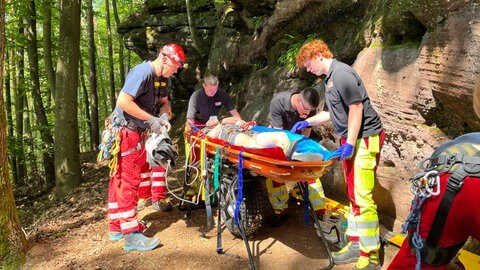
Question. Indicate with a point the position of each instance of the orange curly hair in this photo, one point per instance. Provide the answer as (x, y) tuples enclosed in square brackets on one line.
[(311, 50)]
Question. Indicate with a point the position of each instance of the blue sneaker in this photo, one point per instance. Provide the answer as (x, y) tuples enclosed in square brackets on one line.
[(138, 241), (115, 236)]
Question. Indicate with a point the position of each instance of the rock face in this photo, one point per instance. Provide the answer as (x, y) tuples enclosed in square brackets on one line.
[(418, 59)]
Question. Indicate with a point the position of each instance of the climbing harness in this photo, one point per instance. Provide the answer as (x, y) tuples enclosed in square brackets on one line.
[(460, 158), (109, 147)]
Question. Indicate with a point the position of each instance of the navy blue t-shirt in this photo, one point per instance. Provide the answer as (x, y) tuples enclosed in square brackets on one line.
[(139, 83)]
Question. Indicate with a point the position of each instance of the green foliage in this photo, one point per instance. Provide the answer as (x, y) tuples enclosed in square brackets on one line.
[(257, 21), (288, 58)]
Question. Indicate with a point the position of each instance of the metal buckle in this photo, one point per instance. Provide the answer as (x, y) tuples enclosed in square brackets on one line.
[(454, 184)]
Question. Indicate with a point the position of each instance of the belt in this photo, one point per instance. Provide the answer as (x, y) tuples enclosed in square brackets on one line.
[(134, 127)]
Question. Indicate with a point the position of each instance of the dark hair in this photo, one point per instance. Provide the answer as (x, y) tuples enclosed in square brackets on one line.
[(311, 96)]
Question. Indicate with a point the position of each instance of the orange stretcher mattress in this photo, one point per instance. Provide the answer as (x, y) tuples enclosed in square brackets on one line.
[(269, 162)]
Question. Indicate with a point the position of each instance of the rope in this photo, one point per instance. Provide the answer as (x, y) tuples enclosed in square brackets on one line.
[(423, 187), (202, 166), (114, 151)]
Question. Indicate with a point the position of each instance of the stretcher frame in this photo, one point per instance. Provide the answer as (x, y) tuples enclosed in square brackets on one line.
[(281, 171)]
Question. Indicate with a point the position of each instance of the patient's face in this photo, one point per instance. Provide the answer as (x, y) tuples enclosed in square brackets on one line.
[(210, 90)]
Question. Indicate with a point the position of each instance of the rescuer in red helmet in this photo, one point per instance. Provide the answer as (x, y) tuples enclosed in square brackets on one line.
[(142, 106), (153, 185)]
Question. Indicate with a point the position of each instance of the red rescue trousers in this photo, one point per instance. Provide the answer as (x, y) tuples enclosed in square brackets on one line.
[(123, 187), (463, 221), (153, 184)]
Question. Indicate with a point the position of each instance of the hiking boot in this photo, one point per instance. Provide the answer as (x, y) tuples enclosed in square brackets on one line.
[(348, 254), (367, 263), (115, 235), (140, 242), (162, 205), (329, 231)]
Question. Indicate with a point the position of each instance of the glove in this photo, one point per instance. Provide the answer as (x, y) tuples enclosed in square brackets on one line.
[(345, 151), (299, 125), (159, 124)]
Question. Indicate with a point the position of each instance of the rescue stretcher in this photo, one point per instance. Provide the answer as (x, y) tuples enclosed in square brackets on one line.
[(270, 163), (240, 171)]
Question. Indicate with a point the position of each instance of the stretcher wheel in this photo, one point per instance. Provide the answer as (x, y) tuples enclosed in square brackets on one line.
[(253, 209)]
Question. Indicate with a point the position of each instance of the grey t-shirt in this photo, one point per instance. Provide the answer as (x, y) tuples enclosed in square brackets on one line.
[(282, 114), (343, 87), (201, 106)]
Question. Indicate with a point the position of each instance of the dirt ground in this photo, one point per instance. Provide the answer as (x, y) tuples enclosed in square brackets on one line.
[(73, 234)]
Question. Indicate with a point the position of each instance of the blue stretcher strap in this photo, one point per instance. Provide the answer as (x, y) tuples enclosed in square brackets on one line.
[(239, 187)]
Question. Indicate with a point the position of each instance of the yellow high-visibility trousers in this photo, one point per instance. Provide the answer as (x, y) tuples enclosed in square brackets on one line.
[(363, 225), (278, 195)]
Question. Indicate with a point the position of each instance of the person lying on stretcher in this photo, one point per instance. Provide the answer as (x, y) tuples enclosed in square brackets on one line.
[(249, 135)]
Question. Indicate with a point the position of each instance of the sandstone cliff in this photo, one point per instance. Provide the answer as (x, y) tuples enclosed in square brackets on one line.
[(419, 61)]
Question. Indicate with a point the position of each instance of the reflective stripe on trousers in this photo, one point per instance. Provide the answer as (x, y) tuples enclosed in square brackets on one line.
[(153, 185), (278, 195), (144, 190), (159, 190), (123, 186), (360, 177)]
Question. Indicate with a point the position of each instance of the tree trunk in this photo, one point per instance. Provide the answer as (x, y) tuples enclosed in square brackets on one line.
[(92, 75), (86, 103), (9, 108), (40, 114), (121, 59), (110, 56), (19, 92), (47, 45), (13, 242), (67, 162), (28, 136), (193, 30)]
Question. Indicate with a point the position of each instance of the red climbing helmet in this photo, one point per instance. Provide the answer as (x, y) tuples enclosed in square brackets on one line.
[(175, 53)]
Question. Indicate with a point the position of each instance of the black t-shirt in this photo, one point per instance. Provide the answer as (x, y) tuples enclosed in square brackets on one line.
[(282, 114), (201, 106), (343, 87)]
